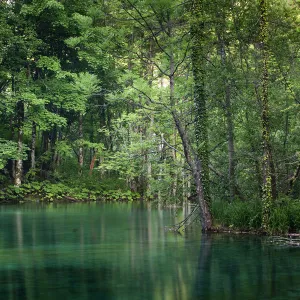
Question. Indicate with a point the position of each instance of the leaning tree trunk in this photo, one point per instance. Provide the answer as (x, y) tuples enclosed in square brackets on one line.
[(269, 181), (201, 122), (196, 168)]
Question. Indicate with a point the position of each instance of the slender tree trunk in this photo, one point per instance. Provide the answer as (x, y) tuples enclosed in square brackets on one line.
[(92, 164), (19, 162), (149, 130), (285, 145), (149, 164), (269, 182), (45, 162), (53, 140), (33, 144), (231, 148), (229, 120), (13, 162), (56, 156), (80, 152), (172, 104)]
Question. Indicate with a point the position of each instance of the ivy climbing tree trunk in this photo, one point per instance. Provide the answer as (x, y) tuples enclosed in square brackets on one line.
[(269, 180), (201, 172)]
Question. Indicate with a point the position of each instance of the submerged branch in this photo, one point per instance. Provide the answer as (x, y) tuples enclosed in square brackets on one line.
[(187, 221), (292, 239)]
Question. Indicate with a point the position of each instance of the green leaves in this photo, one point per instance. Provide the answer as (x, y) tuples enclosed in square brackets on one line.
[(10, 150), (37, 7), (49, 63), (49, 192), (83, 22)]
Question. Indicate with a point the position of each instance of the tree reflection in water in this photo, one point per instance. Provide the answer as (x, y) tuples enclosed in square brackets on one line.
[(245, 267), (121, 251)]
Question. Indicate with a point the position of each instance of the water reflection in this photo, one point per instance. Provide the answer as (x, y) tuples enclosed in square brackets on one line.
[(91, 252), (120, 251), (233, 267)]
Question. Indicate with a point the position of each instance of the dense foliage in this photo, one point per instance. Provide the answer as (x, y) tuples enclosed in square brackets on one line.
[(173, 100)]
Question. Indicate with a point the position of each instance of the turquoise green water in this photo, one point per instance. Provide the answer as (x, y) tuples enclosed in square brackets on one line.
[(121, 251)]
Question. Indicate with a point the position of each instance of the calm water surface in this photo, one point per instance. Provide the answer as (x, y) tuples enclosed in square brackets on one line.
[(121, 251)]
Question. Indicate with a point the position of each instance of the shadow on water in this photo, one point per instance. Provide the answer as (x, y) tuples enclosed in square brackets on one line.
[(245, 267), (202, 279)]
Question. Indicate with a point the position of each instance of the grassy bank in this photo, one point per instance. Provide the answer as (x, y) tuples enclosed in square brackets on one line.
[(247, 216)]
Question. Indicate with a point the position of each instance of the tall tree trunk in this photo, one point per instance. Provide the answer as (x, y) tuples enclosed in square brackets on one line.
[(13, 162), (201, 165), (53, 140), (231, 148), (269, 181), (19, 162), (33, 144), (149, 129), (172, 104), (149, 163), (80, 152), (228, 112), (56, 157)]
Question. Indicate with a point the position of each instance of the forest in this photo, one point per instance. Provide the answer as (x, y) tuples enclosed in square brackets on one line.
[(161, 100)]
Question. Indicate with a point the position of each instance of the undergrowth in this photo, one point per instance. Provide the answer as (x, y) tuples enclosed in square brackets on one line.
[(47, 191), (247, 216)]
